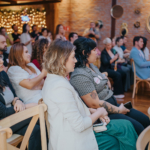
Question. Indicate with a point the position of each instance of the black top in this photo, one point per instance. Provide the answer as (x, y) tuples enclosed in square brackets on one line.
[(15, 36), (6, 111), (105, 61), (5, 55), (34, 35)]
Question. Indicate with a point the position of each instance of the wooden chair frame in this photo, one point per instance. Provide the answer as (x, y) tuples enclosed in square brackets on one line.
[(143, 139), (36, 113), (137, 80)]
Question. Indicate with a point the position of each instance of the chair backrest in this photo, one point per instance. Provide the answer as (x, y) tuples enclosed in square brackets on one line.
[(134, 69), (36, 113), (143, 139)]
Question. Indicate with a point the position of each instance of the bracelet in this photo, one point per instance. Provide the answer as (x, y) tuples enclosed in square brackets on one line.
[(15, 101)]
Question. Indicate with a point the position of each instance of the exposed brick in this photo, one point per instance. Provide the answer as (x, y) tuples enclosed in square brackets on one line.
[(78, 13)]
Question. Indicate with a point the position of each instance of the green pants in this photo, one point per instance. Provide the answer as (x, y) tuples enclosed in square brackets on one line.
[(120, 135)]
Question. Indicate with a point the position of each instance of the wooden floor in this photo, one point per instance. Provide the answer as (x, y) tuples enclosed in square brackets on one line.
[(141, 101)]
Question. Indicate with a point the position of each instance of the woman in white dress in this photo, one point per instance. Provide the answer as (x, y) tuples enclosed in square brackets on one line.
[(70, 119), (26, 39), (25, 77), (45, 35)]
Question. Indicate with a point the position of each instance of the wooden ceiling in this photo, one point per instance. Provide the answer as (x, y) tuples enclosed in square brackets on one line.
[(25, 2)]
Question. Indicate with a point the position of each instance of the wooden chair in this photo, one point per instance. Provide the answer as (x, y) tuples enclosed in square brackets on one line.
[(143, 139), (148, 112), (36, 113), (137, 80)]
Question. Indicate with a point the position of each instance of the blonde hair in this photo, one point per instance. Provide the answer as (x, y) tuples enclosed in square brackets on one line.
[(56, 57), (107, 41)]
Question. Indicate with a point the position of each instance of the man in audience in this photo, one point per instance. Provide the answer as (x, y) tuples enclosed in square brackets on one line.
[(92, 32), (141, 64), (73, 36), (125, 50), (15, 35), (3, 48), (9, 39), (34, 33)]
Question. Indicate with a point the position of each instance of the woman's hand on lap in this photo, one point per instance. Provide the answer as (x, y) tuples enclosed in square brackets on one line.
[(19, 106), (123, 110)]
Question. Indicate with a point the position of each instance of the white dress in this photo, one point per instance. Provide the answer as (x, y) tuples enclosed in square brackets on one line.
[(146, 53), (16, 75), (119, 51), (42, 37), (24, 38)]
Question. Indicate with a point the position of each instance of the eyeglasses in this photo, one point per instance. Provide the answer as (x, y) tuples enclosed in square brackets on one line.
[(1, 57)]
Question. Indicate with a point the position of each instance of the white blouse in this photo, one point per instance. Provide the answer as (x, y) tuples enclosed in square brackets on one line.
[(24, 38), (42, 37), (119, 50), (16, 75), (146, 53)]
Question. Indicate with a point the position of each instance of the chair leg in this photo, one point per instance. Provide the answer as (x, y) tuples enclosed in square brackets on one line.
[(134, 87)]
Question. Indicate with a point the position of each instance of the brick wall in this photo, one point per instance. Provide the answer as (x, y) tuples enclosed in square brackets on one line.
[(130, 18), (78, 13)]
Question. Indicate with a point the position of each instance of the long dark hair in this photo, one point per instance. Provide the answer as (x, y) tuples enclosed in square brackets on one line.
[(84, 46), (3, 84), (57, 28), (24, 28), (38, 50), (145, 43)]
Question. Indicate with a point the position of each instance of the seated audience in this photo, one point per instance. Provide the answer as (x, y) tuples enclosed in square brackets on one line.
[(145, 49), (124, 65), (39, 48), (93, 87), (9, 39), (141, 64), (45, 35), (15, 35), (72, 37), (60, 32), (108, 59), (3, 47), (11, 104), (34, 34), (26, 39), (125, 50), (92, 32), (70, 119), (117, 47), (25, 77)]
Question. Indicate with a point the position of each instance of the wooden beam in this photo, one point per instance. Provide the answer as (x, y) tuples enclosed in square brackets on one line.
[(31, 3), (21, 0), (113, 21), (51, 17)]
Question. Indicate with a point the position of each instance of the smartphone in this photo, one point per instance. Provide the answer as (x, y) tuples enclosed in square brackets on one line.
[(99, 124), (128, 105)]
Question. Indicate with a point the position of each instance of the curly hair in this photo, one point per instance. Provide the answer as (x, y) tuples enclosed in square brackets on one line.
[(38, 50), (84, 46)]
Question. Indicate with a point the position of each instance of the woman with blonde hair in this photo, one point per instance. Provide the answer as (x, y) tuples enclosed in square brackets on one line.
[(26, 78), (70, 120)]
